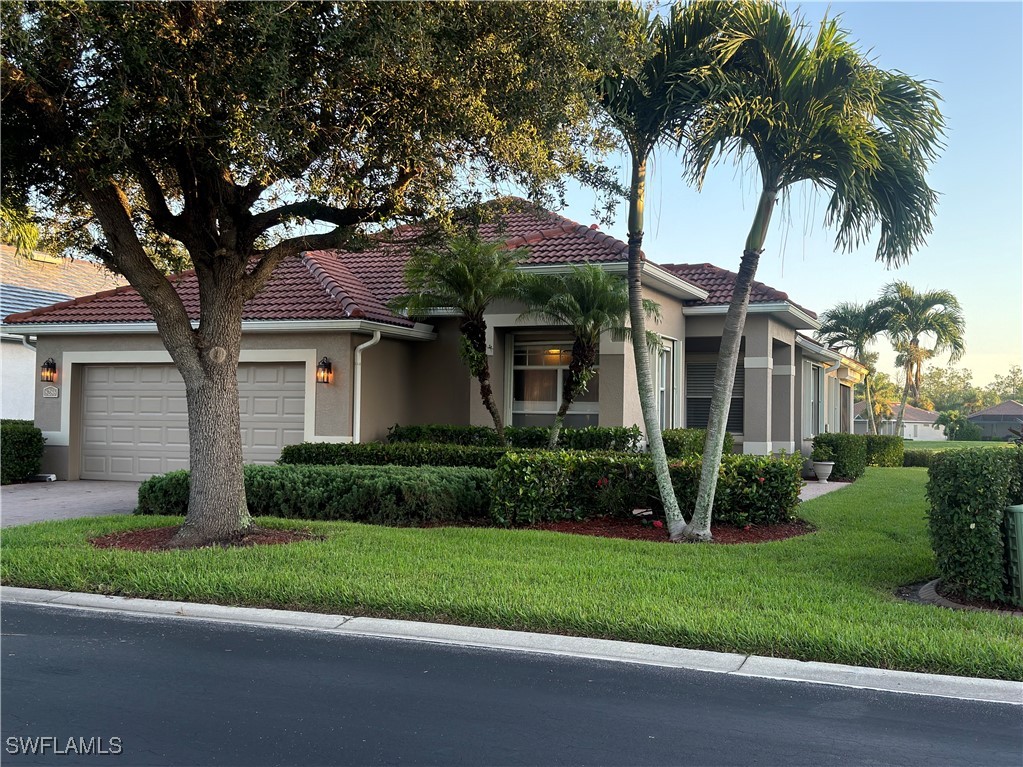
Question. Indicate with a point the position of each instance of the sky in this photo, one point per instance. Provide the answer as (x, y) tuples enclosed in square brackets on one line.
[(973, 54)]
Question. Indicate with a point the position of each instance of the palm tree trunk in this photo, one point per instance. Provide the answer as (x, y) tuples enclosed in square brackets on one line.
[(672, 513), (583, 359), (698, 528), (905, 389), (474, 351), (871, 421)]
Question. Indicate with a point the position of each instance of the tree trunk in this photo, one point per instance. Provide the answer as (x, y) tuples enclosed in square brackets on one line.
[(905, 389), (698, 528), (474, 334), (584, 358), (871, 420), (637, 319)]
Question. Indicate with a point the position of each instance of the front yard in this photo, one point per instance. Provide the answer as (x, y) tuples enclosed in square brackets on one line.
[(827, 596)]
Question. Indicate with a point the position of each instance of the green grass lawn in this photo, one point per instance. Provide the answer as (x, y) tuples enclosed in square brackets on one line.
[(926, 444), (826, 596)]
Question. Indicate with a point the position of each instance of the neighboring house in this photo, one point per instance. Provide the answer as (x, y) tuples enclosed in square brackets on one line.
[(120, 413), (996, 421), (28, 282), (917, 424)]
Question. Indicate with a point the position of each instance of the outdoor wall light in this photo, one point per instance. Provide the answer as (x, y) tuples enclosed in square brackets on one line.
[(48, 372), (324, 372)]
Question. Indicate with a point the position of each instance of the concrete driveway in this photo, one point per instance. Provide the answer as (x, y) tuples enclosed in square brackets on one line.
[(42, 501)]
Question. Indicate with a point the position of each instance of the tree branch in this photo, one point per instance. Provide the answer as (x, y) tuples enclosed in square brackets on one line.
[(172, 225)]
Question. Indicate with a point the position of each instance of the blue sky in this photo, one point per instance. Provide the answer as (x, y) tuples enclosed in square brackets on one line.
[(973, 53)]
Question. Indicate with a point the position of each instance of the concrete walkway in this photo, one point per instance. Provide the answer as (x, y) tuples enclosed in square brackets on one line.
[(43, 501), (814, 489)]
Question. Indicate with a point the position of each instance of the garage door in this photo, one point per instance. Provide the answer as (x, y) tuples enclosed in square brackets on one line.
[(135, 423)]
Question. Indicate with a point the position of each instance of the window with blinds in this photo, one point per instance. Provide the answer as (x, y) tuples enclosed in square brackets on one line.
[(700, 390)]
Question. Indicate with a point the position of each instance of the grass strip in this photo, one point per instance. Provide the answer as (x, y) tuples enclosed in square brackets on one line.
[(824, 597)]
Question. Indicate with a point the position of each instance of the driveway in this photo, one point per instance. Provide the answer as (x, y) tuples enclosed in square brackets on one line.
[(42, 501)]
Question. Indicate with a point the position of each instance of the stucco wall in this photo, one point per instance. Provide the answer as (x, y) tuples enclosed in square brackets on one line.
[(20, 380), (388, 386)]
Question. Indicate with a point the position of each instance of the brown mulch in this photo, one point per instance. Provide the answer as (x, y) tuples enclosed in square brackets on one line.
[(635, 530), (158, 539), (980, 604)]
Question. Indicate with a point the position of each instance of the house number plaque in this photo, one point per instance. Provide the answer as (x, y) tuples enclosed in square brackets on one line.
[(51, 392)]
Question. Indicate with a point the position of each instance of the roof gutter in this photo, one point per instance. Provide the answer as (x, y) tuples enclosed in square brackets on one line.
[(789, 313)]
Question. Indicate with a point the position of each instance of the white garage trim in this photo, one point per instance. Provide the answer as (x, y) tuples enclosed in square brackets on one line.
[(70, 359)]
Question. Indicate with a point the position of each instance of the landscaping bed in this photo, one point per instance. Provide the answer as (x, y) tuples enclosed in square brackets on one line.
[(657, 532)]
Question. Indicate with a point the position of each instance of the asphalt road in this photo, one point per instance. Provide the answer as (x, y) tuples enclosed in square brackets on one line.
[(177, 692)]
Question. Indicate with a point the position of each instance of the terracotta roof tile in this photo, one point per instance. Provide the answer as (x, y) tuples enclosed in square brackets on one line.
[(1008, 408), (719, 283)]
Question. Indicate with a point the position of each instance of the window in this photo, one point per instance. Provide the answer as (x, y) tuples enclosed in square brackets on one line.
[(665, 386), (538, 377), (700, 390)]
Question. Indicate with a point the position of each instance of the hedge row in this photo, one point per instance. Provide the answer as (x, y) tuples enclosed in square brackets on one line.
[(685, 443), (848, 451), (884, 450), (397, 454), (21, 450), (968, 491), (546, 486), (918, 457), (532, 437), (383, 495)]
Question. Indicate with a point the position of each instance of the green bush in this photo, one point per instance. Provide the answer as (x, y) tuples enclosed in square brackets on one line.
[(885, 450), (21, 450), (522, 437), (684, 443), (547, 486), (849, 451), (917, 457), (397, 454), (968, 432), (385, 495), (968, 491)]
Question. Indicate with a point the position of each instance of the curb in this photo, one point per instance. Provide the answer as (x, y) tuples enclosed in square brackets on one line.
[(905, 682)]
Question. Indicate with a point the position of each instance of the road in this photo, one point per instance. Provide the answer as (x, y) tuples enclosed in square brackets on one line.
[(180, 692)]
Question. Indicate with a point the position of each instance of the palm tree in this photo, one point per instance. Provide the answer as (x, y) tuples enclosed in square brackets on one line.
[(818, 112), (914, 316), (651, 106), (466, 274), (854, 327), (591, 302)]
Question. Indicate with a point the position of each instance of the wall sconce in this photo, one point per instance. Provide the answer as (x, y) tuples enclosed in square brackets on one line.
[(324, 372), (48, 372)]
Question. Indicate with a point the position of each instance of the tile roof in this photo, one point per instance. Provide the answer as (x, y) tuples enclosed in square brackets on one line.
[(14, 298), (62, 277), (913, 414), (719, 283), (1008, 408)]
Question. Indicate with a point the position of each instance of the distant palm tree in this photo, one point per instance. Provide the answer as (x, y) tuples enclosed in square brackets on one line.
[(591, 302), (911, 318), (854, 327), (651, 106), (466, 274), (818, 112)]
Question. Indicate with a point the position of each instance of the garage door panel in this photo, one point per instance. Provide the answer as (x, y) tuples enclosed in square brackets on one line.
[(135, 421)]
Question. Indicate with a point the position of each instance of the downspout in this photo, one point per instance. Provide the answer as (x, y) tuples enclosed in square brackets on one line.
[(357, 403)]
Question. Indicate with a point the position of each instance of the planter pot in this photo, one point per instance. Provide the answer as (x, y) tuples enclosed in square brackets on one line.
[(823, 470)]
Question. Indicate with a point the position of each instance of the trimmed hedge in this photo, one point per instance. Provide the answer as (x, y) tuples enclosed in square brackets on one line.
[(21, 450), (918, 457), (849, 451), (885, 450), (685, 443), (396, 454), (547, 486), (530, 437), (968, 491), (382, 495)]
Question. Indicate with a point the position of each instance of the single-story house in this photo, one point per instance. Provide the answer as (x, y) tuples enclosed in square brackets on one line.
[(29, 281), (117, 408), (917, 423), (996, 420)]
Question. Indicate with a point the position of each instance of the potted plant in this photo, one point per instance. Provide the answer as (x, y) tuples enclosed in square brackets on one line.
[(823, 459)]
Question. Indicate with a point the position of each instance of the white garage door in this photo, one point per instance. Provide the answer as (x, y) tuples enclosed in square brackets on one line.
[(135, 423)]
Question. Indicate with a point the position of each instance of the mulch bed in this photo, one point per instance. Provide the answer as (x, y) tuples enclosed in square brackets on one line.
[(980, 604), (634, 530), (158, 539)]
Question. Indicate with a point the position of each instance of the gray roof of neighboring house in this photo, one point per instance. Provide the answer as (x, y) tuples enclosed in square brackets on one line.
[(15, 299), (1010, 409), (913, 414)]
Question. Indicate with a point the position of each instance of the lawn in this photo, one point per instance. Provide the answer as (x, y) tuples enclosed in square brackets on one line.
[(826, 596), (926, 444)]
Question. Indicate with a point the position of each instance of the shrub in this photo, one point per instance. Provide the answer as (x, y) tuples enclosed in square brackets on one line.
[(969, 432), (917, 457), (684, 443), (547, 486), (387, 495), (885, 450), (968, 491), (21, 450), (849, 451), (535, 437), (397, 454)]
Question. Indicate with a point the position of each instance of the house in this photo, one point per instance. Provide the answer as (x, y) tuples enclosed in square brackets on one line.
[(28, 282), (995, 421), (916, 424), (119, 410)]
